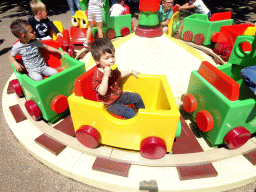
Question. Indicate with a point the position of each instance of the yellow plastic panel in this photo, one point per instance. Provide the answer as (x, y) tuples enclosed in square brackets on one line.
[(175, 18), (250, 31), (156, 120), (59, 26)]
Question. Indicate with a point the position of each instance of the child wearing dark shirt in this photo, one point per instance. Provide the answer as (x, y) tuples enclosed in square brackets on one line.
[(40, 22)]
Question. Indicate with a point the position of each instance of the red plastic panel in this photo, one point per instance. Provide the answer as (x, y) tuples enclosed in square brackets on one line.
[(77, 35), (149, 5), (204, 121), (237, 137), (222, 82), (126, 10), (175, 9), (51, 59), (153, 148), (221, 16), (88, 136), (83, 85)]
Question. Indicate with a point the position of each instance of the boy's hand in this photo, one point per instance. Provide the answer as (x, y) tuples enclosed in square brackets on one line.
[(59, 34), (19, 68), (135, 73), (107, 71)]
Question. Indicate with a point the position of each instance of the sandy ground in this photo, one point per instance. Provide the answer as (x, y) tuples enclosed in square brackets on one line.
[(19, 170)]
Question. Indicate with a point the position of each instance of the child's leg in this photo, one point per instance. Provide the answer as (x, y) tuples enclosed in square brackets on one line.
[(71, 7), (165, 29), (132, 98), (77, 4), (248, 74), (99, 27), (48, 71), (89, 31), (36, 76), (122, 110)]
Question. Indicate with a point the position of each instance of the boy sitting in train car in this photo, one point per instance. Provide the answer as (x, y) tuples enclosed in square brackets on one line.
[(28, 47), (165, 14), (106, 81), (198, 5)]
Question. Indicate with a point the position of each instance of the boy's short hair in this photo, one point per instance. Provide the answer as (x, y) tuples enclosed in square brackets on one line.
[(18, 27), (36, 6), (101, 46)]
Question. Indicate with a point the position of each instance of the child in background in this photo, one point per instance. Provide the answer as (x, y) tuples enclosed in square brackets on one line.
[(28, 48), (165, 14), (117, 8), (40, 22), (106, 81), (71, 4), (94, 13), (198, 5)]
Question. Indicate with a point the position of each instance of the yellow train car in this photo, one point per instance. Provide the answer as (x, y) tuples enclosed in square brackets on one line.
[(152, 131)]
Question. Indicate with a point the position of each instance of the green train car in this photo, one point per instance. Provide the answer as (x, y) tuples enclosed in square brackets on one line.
[(218, 100), (47, 99)]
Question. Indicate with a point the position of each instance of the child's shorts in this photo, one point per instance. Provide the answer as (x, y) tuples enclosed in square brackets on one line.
[(37, 74), (94, 13)]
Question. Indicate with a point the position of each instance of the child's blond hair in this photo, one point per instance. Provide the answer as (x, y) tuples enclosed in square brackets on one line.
[(37, 6)]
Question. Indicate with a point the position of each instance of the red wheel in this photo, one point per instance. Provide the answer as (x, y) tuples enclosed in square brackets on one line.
[(59, 103), (226, 53), (17, 88), (215, 37), (153, 148), (88, 136), (125, 31), (189, 103), (237, 137), (199, 39), (33, 110), (204, 121), (111, 34), (219, 48), (188, 36)]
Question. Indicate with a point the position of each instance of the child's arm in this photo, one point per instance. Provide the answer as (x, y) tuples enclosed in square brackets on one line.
[(186, 6), (52, 49), (18, 66), (128, 73), (166, 22), (103, 87), (54, 28)]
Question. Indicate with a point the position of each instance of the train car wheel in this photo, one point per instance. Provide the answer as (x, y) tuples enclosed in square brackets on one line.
[(188, 36), (17, 88), (125, 31), (226, 53), (237, 137), (189, 103), (33, 110), (204, 121), (199, 39), (59, 103), (215, 37), (219, 48), (88, 136), (111, 34), (153, 148)]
